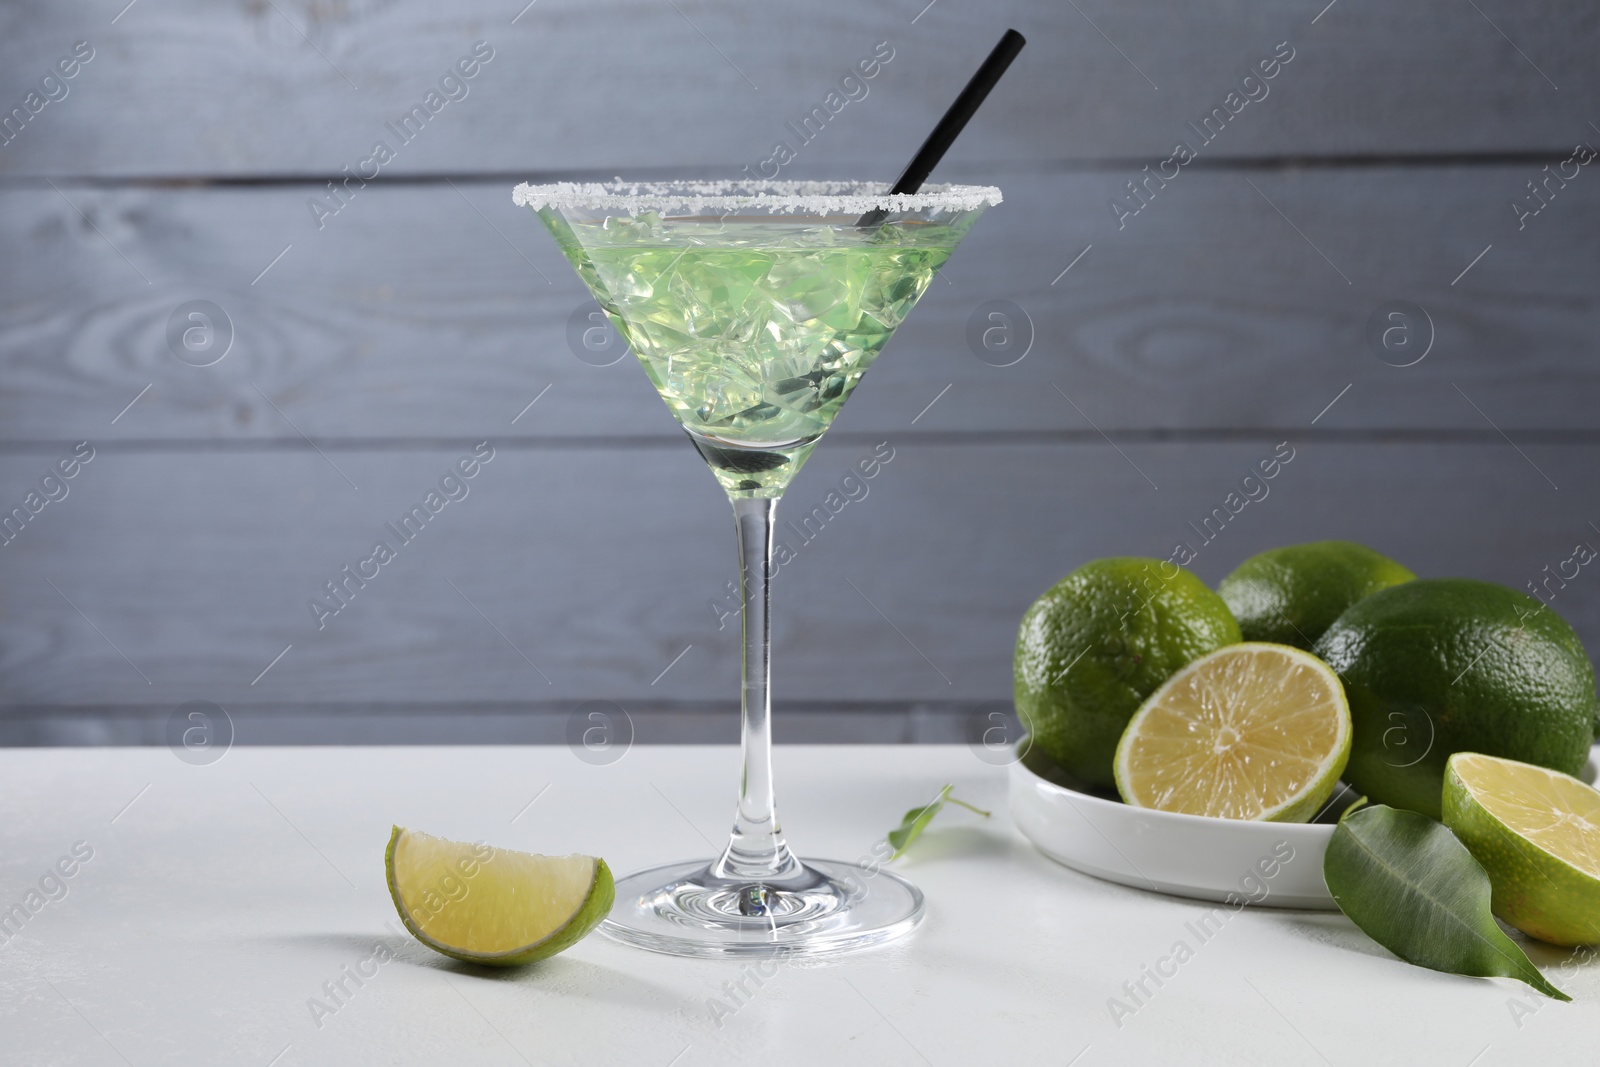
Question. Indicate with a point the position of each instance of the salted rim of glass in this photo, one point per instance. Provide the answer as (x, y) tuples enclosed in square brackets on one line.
[(722, 197)]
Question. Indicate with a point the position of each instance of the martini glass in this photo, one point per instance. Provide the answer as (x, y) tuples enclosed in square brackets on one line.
[(755, 309)]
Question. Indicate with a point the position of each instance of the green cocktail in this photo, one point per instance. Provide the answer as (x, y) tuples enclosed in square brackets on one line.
[(755, 330), (755, 310)]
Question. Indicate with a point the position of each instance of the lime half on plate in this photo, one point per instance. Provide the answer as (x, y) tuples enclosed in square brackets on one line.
[(1250, 731)]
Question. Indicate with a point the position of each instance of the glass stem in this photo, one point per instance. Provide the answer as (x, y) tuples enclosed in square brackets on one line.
[(756, 851)]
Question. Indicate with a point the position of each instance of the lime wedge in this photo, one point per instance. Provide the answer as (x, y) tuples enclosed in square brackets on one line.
[(1250, 731), (494, 906), (1537, 833)]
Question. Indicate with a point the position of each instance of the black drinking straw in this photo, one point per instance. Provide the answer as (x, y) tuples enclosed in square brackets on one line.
[(953, 122)]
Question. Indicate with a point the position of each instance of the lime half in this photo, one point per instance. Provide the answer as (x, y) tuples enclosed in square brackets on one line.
[(1537, 833), (494, 906), (1250, 731)]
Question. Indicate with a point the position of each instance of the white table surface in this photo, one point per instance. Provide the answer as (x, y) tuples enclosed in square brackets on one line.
[(224, 897)]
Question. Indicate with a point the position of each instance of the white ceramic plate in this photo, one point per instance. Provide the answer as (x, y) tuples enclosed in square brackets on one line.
[(1276, 865), (1271, 864)]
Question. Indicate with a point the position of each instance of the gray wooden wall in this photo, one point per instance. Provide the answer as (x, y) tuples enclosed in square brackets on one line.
[(369, 354)]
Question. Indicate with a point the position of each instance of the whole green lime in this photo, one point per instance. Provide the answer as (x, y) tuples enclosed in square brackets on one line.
[(1290, 595), (1100, 641), (1445, 665)]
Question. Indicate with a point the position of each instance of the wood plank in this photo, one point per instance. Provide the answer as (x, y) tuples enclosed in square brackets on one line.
[(197, 88), (588, 573), (410, 316), (694, 722)]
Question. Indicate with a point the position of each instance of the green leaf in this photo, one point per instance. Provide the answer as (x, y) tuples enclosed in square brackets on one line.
[(917, 820), (1416, 890), (1358, 802)]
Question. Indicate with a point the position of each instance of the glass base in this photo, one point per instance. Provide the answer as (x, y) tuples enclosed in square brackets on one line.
[(828, 909)]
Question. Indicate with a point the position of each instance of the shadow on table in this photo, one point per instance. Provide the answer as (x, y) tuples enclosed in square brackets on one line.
[(568, 974), (1554, 958), (977, 842), (1324, 928), (1332, 928), (564, 973)]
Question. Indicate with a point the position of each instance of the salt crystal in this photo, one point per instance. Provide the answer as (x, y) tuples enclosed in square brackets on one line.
[(776, 198)]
